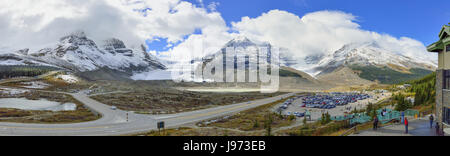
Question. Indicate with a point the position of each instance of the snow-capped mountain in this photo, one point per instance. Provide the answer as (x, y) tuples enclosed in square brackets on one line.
[(79, 53), (11, 57), (365, 54), (249, 51), (243, 52)]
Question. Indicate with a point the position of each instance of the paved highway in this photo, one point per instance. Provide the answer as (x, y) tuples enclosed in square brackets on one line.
[(114, 122)]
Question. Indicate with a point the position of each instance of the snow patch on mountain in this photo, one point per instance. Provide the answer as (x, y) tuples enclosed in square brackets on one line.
[(68, 78), (364, 54), (79, 53), (245, 48), (153, 75)]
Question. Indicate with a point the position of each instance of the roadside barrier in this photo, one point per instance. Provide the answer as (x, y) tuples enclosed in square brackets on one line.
[(394, 115), (390, 115), (361, 118), (411, 112)]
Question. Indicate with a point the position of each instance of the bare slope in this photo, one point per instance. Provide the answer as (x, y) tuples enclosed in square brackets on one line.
[(344, 76)]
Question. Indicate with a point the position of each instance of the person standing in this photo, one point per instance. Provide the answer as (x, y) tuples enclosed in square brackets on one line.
[(403, 117), (431, 121), (406, 125)]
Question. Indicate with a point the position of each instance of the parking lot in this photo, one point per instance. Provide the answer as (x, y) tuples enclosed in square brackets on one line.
[(336, 104)]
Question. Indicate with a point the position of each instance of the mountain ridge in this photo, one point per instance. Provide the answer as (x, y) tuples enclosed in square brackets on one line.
[(368, 54), (77, 52)]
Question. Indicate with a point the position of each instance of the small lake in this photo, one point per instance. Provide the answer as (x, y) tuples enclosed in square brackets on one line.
[(42, 104)]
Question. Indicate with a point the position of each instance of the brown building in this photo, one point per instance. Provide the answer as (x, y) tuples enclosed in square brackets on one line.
[(442, 47)]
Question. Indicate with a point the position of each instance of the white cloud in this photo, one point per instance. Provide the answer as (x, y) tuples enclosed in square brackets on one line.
[(201, 3), (320, 33), (31, 23), (34, 24), (213, 6)]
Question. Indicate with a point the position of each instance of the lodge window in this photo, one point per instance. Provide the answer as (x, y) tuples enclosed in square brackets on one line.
[(447, 48), (446, 115), (446, 79)]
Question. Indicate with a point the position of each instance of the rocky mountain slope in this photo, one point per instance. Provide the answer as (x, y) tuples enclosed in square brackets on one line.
[(368, 61), (78, 53), (249, 52), (357, 63), (366, 54)]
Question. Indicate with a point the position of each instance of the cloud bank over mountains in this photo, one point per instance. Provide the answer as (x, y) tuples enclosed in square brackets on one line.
[(36, 24), (321, 32)]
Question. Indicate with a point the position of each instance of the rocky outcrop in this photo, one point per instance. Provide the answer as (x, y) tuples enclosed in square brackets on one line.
[(79, 53)]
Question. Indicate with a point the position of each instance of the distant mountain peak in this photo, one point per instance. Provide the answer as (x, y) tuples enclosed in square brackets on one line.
[(115, 46), (365, 54), (240, 41), (79, 53), (251, 51), (115, 43), (314, 59), (77, 39)]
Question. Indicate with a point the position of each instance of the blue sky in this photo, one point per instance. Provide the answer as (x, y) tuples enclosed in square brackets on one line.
[(418, 19)]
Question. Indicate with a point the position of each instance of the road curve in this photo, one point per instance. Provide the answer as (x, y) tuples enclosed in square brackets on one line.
[(114, 122)]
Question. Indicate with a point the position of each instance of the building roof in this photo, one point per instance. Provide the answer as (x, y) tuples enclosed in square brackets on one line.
[(445, 31), (436, 47), (444, 39)]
